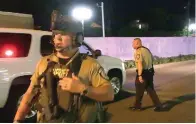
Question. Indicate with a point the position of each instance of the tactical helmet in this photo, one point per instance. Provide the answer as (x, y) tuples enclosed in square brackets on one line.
[(67, 25)]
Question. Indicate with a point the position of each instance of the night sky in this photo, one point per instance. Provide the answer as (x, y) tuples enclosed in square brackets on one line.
[(118, 13)]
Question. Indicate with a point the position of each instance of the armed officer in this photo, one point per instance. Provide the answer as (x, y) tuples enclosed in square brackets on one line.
[(66, 84), (144, 77)]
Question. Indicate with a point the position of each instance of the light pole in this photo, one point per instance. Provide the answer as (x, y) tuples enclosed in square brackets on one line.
[(102, 15), (188, 16), (82, 14)]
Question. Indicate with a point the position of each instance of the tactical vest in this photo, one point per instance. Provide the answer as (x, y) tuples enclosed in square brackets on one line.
[(58, 105)]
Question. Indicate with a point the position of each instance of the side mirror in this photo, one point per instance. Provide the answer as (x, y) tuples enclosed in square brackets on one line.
[(98, 53)]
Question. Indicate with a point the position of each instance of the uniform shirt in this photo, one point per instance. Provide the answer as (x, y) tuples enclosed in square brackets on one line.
[(143, 55), (91, 73)]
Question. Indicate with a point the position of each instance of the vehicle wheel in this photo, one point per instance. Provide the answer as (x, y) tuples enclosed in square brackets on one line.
[(116, 84)]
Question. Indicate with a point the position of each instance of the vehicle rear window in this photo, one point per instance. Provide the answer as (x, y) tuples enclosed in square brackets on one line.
[(14, 45)]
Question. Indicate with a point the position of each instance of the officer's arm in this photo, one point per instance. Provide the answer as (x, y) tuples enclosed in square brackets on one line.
[(31, 92), (101, 89), (25, 104), (102, 93), (140, 68), (139, 62)]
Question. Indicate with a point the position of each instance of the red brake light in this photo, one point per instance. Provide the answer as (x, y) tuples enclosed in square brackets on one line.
[(9, 53)]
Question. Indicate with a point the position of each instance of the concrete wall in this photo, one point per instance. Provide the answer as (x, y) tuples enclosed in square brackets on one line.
[(121, 47)]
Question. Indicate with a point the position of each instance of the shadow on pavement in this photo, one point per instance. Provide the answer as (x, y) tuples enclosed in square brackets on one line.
[(168, 105), (122, 95)]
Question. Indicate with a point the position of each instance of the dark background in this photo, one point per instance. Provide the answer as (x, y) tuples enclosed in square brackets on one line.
[(160, 15)]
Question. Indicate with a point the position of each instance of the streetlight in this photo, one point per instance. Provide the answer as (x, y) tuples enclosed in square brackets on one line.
[(192, 27), (140, 26), (82, 14), (102, 14)]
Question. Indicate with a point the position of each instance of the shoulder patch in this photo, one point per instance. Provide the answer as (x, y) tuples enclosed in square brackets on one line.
[(138, 56)]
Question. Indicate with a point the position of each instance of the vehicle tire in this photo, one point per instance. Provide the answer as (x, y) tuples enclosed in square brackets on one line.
[(116, 84)]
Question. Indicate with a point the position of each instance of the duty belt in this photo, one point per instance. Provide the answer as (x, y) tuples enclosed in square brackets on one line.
[(151, 70)]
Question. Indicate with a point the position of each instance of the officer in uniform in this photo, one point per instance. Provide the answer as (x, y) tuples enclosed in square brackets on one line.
[(144, 77), (74, 90)]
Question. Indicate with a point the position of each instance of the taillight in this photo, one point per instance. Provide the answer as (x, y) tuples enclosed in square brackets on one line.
[(9, 53), (14, 45)]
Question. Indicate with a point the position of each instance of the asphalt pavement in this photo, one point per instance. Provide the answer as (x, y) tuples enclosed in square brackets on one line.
[(175, 86)]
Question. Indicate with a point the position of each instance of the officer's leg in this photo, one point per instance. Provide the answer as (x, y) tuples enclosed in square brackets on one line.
[(140, 88), (151, 91)]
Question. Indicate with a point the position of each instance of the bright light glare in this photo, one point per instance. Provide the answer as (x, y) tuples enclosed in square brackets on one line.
[(9, 52), (192, 27), (140, 26), (81, 13)]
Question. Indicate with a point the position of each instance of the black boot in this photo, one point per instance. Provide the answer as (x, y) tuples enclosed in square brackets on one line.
[(158, 109)]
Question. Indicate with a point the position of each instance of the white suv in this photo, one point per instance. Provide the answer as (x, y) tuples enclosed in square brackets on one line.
[(20, 50)]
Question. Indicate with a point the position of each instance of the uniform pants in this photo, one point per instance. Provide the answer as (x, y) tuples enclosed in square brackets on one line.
[(149, 87)]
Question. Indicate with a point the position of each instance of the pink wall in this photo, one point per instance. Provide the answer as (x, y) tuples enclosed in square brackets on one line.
[(121, 47)]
